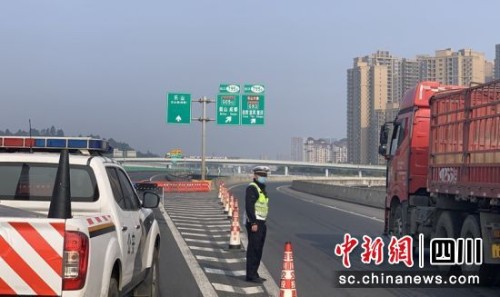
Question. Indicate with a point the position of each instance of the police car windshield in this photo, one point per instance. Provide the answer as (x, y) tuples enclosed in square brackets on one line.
[(35, 181)]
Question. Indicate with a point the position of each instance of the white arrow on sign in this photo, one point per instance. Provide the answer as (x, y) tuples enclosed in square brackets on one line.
[(178, 118), (229, 119), (253, 121)]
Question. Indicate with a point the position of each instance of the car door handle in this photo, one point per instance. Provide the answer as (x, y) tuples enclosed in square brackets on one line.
[(124, 228), (137, 226)]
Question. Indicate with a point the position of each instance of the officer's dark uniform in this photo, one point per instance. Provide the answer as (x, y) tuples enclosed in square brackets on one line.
[(255, 239)]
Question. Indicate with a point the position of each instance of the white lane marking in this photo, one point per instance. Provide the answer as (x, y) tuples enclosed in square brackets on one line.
[(203, 230), (203, 241), (219, 226), (207, 249), (196, 211), (220, 260), (192, 207), (188, 224), (238, 290), (204, 235), (206, 288), (194, 223), (199, 214), (199, 218), (270, 285), (329, 206), (225, 272)]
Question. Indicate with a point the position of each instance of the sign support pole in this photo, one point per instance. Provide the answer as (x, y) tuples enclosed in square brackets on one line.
[(203, 119)]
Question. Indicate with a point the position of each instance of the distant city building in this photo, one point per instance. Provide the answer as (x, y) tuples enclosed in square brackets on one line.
[(339, 149), (374, 82), (453, 68), (297, 152), (317, 151), (325, 150), (377, 82), (497, 61), (117, 153), (489, 71)]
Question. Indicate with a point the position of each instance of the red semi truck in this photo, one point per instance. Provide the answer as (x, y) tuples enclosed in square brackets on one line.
[(443, 166)]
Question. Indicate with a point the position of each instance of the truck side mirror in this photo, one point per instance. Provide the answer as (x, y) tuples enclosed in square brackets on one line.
[(384, 134), (382, 150), (384, 137)]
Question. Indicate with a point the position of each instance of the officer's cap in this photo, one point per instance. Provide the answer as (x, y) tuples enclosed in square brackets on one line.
[(261, 170)]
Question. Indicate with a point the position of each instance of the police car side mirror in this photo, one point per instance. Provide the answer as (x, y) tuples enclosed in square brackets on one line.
[(150, 200)]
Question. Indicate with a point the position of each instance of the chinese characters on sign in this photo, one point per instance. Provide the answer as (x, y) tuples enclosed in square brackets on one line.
[(178, 108), (252, 110), (443, 251), (247, 111), (228, 109)]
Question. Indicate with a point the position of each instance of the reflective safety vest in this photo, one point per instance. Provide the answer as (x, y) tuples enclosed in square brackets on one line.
[(261, 205)]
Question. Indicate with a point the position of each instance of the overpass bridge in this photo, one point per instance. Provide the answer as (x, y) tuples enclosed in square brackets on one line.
[(285, 167)]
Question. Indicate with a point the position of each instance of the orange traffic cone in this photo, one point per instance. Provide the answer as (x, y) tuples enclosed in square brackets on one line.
[(287, 283), (231, 207), (236, 204), (234, 238), (226, 203), (221, 191)]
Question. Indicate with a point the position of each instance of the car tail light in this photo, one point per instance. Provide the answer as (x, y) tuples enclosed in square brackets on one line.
[(76, 256)]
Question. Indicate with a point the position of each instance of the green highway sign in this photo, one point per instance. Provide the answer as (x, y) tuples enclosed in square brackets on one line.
[(229, 89), (254, 89), (178, 108), (228, 109), (252, 109)]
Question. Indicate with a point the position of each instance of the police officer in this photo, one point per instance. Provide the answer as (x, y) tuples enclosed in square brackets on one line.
[(256, 206)]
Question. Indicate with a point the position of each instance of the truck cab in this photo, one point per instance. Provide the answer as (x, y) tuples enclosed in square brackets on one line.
[(405, 144)]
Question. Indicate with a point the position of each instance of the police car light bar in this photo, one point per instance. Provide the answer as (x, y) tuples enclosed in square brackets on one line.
[(82, 143)]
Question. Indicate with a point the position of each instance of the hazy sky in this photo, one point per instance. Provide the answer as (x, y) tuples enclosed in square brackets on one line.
[(104, 67)]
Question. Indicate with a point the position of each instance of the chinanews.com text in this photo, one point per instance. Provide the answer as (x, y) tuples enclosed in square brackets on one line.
[(402, 279)]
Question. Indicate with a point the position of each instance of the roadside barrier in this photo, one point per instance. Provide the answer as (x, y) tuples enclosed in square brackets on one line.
[(287, 283), (185, 187), (145, 186)]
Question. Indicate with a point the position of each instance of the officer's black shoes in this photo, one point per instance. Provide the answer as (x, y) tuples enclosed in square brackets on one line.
[(258, 280)]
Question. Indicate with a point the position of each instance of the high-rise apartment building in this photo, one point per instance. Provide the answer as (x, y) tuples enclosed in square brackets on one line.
[(497, 61), (489, 71), (297, 152), (453, 68), (372, 83), (377, 82)]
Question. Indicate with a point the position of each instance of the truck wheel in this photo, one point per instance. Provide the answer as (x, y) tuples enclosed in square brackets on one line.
[(113, 287), (396, 227), (448, 226), (472, 229)]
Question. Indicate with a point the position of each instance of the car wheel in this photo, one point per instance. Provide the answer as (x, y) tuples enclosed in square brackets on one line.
[(113, 287)]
